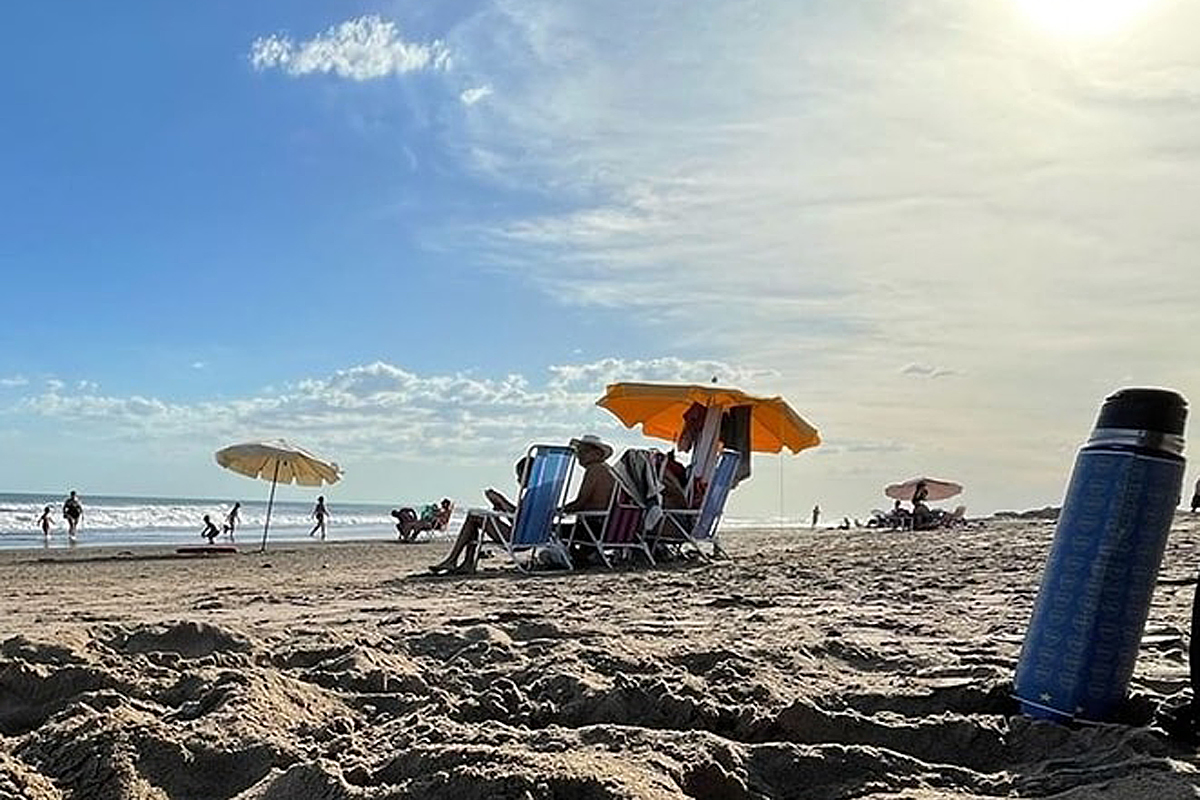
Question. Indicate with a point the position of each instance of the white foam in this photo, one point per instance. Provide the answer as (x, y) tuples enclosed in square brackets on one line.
[(151, 515)]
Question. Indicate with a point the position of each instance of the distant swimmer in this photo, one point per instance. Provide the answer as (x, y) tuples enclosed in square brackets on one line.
[(72, 512)]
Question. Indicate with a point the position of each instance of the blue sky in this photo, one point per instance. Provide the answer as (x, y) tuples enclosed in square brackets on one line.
[(418, 236)]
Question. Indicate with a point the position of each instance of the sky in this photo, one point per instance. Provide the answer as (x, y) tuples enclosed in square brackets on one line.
[(416, 237)]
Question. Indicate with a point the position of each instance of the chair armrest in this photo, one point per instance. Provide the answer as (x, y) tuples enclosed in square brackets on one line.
[(489, 513)]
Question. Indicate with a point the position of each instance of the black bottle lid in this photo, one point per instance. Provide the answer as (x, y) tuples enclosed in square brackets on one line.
[(1159, 410)]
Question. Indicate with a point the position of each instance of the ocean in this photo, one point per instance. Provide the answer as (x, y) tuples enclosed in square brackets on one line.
[(110, 521), (113, 521)]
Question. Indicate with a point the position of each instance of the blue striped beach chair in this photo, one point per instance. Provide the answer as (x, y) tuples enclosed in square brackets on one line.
[(698, 526), (532, 528)]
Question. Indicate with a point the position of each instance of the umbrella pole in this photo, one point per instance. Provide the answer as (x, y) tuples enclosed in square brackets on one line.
[(270, 502)]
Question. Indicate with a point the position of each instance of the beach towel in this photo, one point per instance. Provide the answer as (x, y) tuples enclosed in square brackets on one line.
[(637, 469), (735, 435)]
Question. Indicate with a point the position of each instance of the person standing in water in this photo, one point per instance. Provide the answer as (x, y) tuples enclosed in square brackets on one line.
[(319, 513), (72, 512), (1196, 496), (46, 522), (816, 515), (232, 519)]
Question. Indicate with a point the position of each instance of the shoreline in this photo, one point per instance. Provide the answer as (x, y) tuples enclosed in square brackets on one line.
[(135, 552)]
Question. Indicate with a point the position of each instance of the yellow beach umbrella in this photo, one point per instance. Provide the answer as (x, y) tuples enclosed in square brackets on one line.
[(278, 462), (660, 408)]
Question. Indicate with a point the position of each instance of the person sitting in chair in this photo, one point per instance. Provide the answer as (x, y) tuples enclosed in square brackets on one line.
[(595, 490), (434, 517), (923, 518), (468, 535), (593, 496)]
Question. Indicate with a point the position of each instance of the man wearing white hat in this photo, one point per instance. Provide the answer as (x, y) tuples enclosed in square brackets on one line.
[(595, 490)]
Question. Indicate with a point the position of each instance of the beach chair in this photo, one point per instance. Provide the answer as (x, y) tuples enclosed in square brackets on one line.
[(617, 531), (532, 528), (694, 527), (954, 518)]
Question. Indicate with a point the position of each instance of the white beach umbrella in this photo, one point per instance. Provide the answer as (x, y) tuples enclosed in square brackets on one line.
[(278, 462), (937, 489)]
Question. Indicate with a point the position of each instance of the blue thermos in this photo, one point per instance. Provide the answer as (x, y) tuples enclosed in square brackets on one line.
[(1087, 623)]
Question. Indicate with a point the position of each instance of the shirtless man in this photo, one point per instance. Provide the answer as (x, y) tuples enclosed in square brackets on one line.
[(72, 512)]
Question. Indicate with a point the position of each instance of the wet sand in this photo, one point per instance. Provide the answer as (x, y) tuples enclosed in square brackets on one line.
[(825, 664)]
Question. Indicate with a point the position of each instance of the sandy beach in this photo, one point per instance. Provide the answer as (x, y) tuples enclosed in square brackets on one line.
[(824, 664)]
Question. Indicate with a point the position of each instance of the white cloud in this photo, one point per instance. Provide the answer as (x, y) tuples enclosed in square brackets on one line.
[(13, 381), (198, 365), (470, 97), (665, 370), (360, 49), (382, 411), (925, 371)]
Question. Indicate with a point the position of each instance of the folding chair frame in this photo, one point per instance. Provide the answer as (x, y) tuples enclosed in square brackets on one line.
[(620, 525), (534, 524), (706, 519)]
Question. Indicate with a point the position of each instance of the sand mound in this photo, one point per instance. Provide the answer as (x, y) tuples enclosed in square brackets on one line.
[(865, 665), (30, 694), (185, 639), (20, 782)]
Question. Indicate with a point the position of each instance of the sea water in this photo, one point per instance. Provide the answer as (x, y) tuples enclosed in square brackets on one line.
[(113, 521), (110, 521)]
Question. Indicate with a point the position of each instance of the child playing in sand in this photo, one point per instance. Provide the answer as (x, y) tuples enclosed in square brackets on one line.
[(210, 531), (45, 521)]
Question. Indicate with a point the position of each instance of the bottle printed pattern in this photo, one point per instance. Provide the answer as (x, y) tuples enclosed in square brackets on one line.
[(1082, 642)]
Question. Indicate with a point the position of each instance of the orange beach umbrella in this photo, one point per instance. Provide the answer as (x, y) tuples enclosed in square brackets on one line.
[(660, 407)]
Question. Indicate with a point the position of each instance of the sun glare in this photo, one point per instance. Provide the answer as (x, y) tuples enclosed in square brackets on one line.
[(1082, 18)]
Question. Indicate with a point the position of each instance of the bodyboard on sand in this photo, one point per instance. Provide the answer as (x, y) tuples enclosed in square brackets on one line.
[(206, 549)]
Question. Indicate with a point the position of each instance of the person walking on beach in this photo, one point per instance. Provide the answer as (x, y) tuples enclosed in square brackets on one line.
[(1196, 496), (46, 522), (319, 513), (816, 515), (231, 520), (210, 531), (72, 511)]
